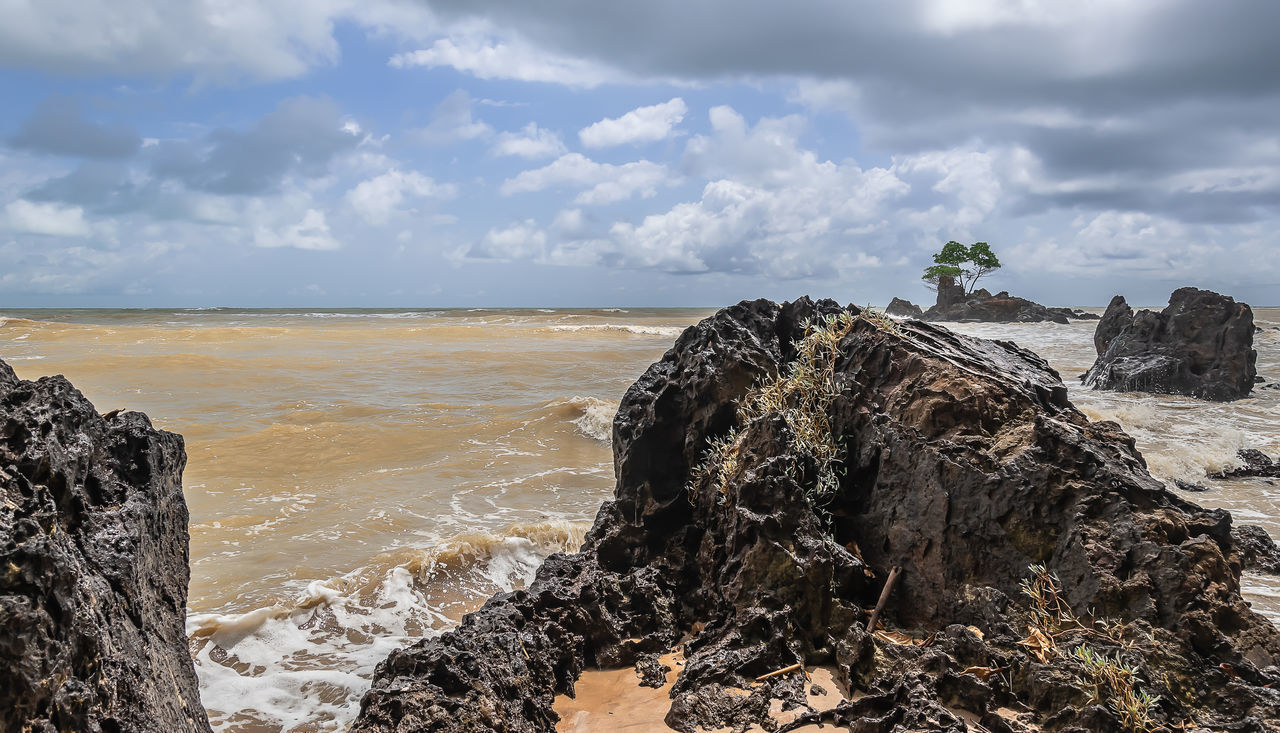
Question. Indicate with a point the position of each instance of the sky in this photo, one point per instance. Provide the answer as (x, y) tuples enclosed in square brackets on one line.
[(434, 153)]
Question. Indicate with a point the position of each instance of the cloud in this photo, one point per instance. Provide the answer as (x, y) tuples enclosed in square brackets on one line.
[(640, 125), (58, 127), (300, 137), (531, 142), (1118, 104), (312, 233), (484, 57), (377, 198), (772, 207), (222, 43), (523, 241), (604, 183), (452, 122), (44, 218)]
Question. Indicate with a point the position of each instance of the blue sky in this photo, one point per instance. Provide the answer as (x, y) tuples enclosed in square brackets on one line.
[(396, 153)]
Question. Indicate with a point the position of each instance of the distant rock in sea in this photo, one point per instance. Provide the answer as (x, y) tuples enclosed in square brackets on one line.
[(93, 568), (954, 304), (903, 309), (1200, 345), (774, 479), (1253, 464)]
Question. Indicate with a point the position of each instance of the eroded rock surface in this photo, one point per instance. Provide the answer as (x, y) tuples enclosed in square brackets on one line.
[(963, 462), (93, 568), (1200, 345)]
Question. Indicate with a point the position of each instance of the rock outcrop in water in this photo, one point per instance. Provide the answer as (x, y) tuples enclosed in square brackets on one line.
[(955, 305), (93, 568), (734, 532), (1200, 345), (903, 309)]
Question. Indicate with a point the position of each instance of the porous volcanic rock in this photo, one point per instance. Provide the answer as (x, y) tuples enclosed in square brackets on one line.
[(93, 568), (963, 463), (1200, 345), (903, 309)]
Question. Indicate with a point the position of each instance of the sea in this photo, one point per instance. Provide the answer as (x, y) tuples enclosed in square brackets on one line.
[(360, 479)]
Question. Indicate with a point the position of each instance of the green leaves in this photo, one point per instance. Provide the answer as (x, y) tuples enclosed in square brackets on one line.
[(966, 264)]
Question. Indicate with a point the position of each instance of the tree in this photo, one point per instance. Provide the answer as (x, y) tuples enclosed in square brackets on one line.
[(965, 264)]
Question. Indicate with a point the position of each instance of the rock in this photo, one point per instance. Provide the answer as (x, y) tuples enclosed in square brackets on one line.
[(1253, 464), (1257, 550), (903, 309), (950, 293), (1189, 486), (1114, 320), (93, 542), (954, 305), (1201, 345), (960, 460)]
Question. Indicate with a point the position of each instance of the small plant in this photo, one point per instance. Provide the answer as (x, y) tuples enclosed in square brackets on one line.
[(880, 320), (1113, 682), (802, 395), (1049, 612), (1107, 680)]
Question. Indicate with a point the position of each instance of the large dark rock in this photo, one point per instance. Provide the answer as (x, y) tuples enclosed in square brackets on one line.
[(1200, 345), (1114, 320), (903, 309), (93, 568), (963, 462)]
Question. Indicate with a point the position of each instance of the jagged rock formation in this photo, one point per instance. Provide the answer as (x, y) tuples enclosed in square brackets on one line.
[(903, 309), (961, 460), (955, 305), (93, 568), (1200, 345), (1114, 320)]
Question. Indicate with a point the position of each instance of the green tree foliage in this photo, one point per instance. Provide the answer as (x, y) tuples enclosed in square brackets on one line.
[(964, 264)]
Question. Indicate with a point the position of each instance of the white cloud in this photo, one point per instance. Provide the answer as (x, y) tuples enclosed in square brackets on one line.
[(452, 122), (310, 233), (522, 241), (605, 183), (377, 198), (640, 125), (531, 142), (51, 219), (772, 207), (484, 57)]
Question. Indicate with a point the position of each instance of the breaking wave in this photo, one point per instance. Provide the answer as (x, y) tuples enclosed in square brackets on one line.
[(302, 663)]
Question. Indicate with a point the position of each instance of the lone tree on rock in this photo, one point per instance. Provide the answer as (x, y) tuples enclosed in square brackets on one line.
[(965, 264)]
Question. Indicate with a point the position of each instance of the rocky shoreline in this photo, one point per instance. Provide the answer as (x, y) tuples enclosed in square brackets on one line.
[(781, 472)]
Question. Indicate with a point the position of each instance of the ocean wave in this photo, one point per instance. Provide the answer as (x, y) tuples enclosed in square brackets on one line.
[(592, 416), (407, 314), (303, 663), (669, 331)]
